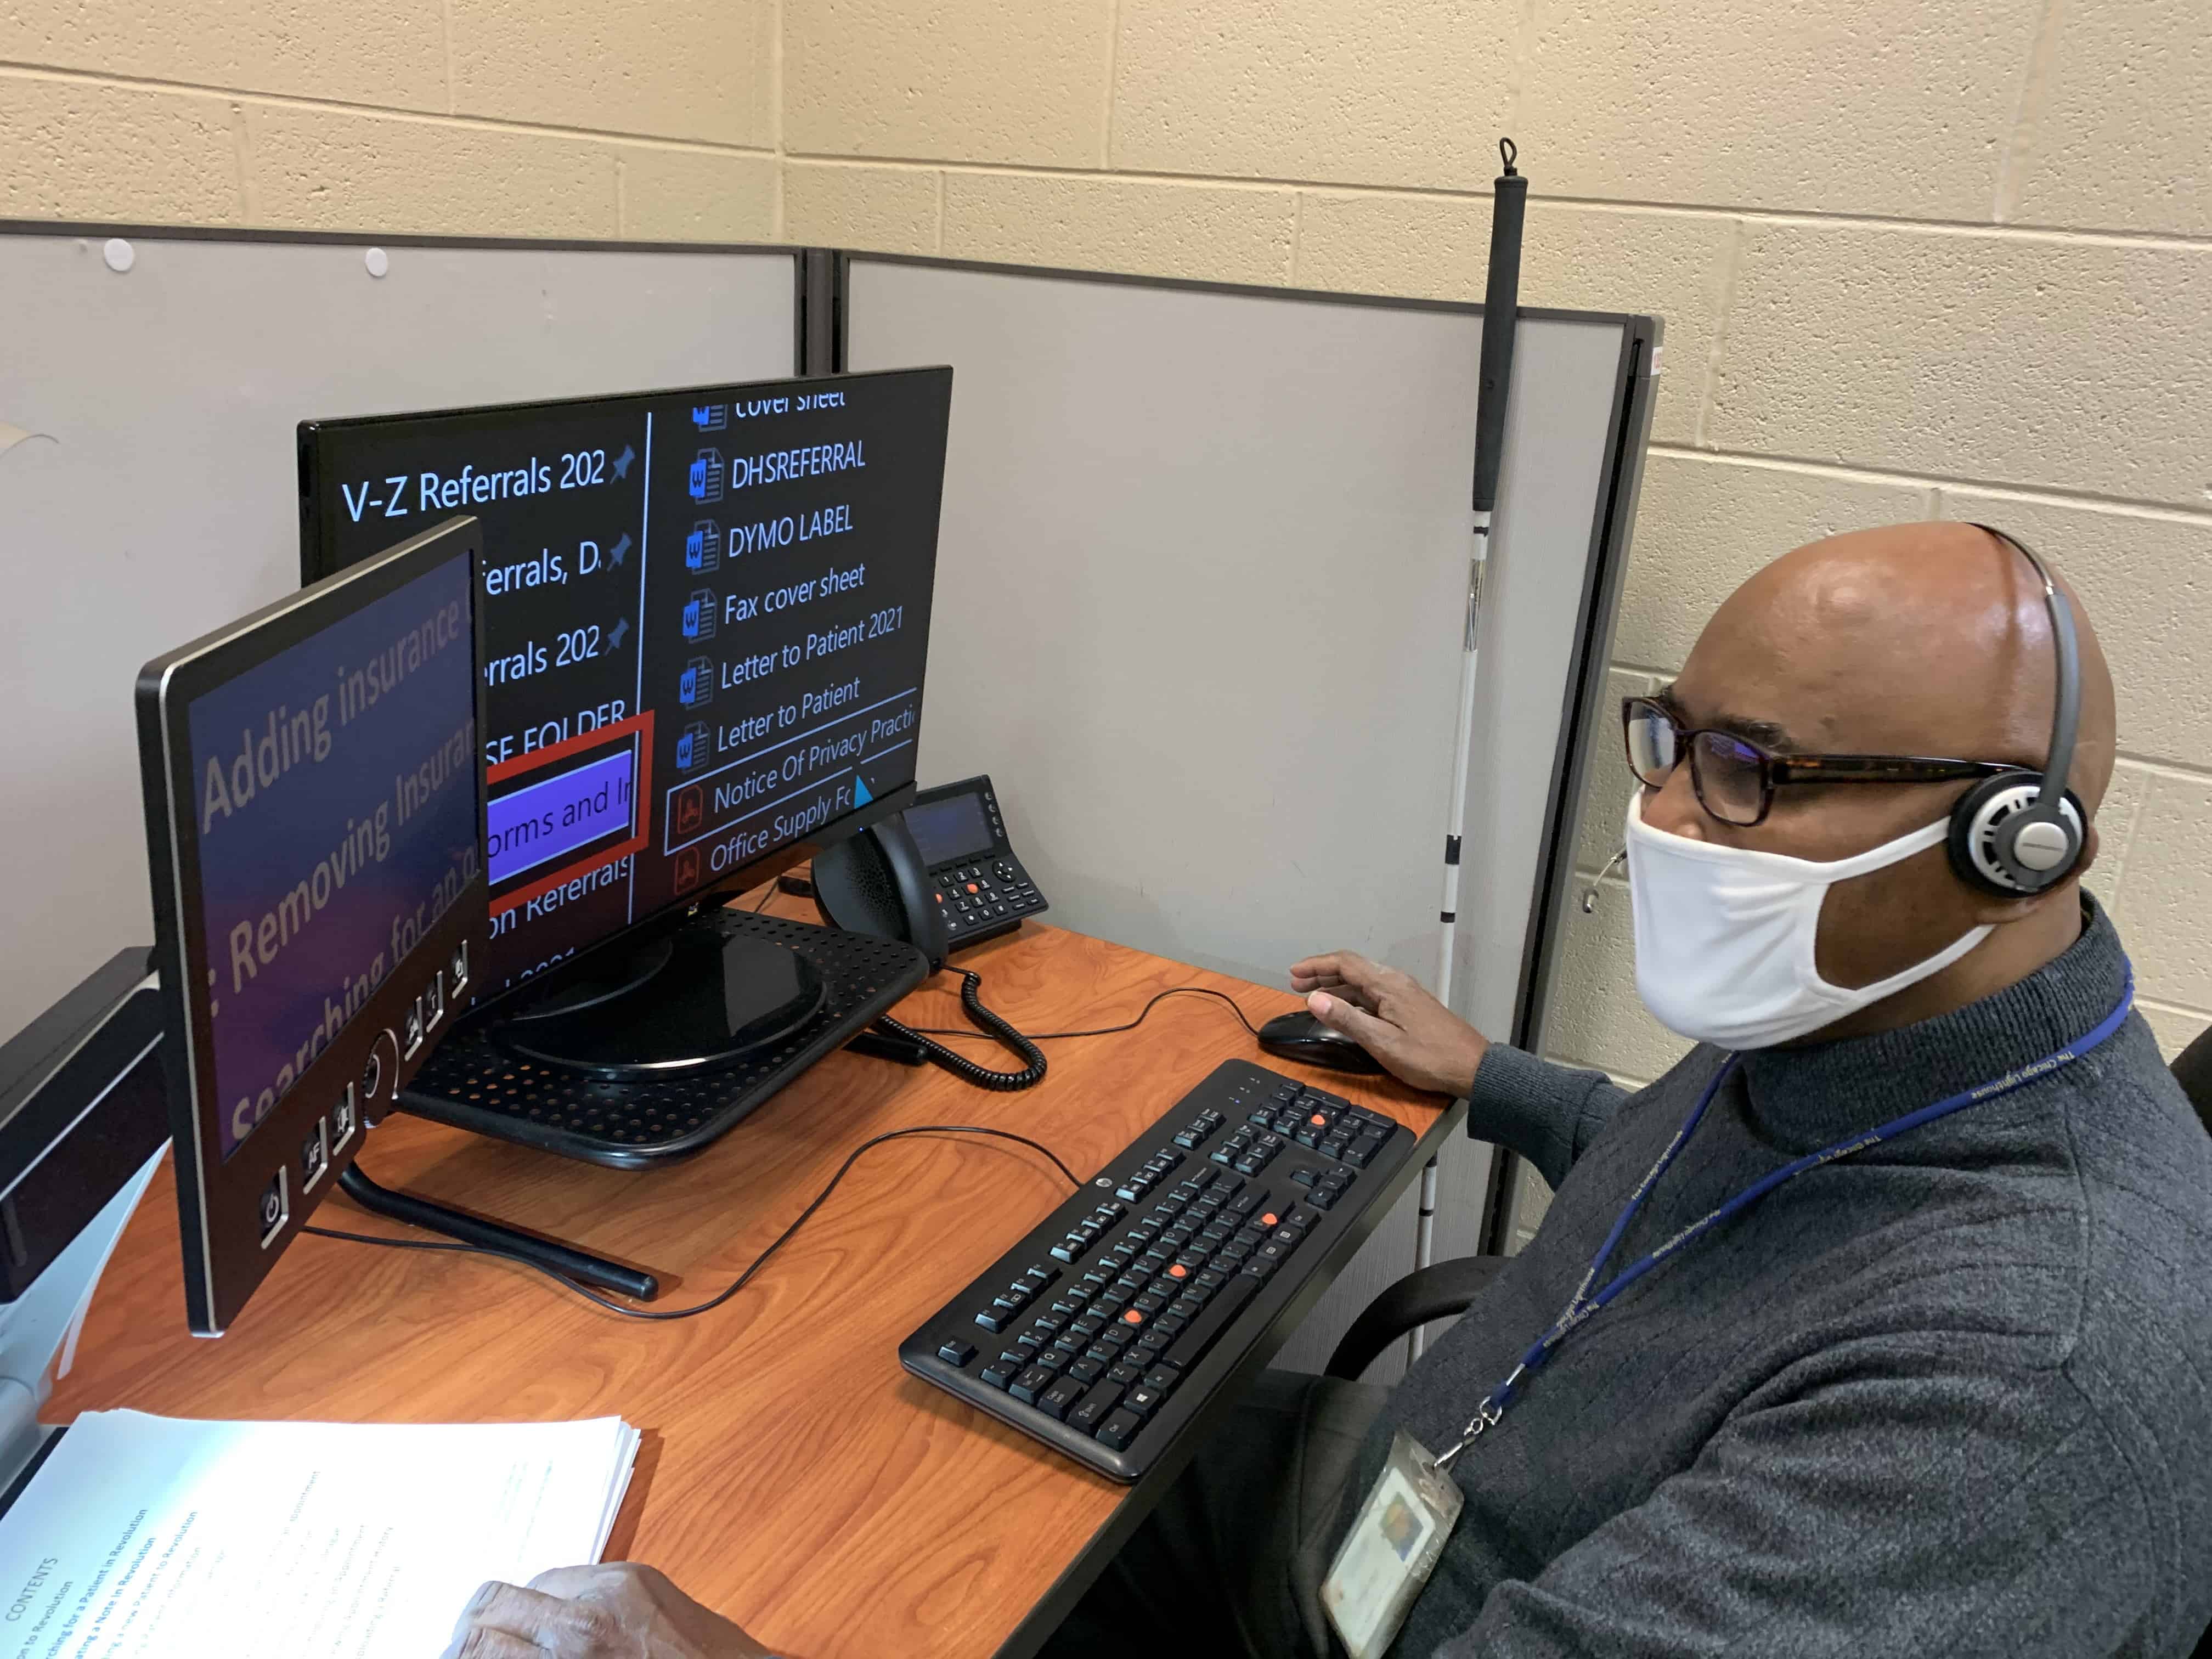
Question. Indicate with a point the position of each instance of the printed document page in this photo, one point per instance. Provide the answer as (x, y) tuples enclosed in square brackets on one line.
[(154, 1538)]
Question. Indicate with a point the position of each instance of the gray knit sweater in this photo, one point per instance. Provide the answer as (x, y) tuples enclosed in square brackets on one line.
[(1952, 1396)]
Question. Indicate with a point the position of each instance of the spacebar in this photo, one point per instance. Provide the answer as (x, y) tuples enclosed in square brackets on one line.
[(1190, 1347)]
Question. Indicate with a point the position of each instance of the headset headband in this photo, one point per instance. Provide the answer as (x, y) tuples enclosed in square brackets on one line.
[(2065, 723)]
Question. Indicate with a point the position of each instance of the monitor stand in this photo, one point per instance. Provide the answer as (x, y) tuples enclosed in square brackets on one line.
[(693, 998)]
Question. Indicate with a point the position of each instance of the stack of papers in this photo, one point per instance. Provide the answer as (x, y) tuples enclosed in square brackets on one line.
[(151, 1536)]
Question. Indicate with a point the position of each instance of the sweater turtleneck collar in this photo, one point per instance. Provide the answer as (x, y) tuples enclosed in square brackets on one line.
[(1813, 1094)]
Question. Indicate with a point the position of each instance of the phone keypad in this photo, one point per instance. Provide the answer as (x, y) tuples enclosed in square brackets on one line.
[(987, 896)]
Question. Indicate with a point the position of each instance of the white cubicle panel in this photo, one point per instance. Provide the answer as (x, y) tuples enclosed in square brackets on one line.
[(148, 478), (1200, 598)]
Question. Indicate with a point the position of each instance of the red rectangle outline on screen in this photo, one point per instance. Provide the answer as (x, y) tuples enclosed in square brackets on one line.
[(641, 727)]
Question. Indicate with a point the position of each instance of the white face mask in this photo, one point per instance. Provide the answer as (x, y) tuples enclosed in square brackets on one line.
[(1724, 935)]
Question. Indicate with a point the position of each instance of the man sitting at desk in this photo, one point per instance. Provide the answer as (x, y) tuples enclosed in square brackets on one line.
[(1949, 1392)]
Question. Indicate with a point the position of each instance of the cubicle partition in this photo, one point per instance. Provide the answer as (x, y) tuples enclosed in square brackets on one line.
[(1202, 592), (1202, 582), (150, 381)]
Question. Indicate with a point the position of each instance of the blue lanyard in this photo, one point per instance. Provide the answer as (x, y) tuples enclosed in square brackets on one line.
[(1582, 1304)]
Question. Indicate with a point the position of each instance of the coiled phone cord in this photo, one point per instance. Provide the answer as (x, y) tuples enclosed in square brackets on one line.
[(971, 1003)]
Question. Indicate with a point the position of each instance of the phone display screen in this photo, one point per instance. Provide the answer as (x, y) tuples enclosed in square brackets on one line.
[(950, 828)]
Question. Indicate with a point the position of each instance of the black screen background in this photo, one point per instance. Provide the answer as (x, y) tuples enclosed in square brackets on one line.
[(576, 643)]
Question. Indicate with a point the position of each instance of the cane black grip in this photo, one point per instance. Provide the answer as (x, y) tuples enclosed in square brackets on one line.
[(1501, 302)]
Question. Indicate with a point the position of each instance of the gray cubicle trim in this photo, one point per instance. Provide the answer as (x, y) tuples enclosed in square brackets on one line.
[(798, 256), (1555, 876)]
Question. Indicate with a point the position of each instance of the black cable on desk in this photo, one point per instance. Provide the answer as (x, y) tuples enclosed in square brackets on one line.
[(1108, 1030), (758, 1262), (993, 1026)]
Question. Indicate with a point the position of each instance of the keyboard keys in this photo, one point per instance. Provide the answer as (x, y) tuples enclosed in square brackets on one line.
[(1118, 1431), (1143, 1400), (1055, 1401), (1097, 1406), (1101, 1313)]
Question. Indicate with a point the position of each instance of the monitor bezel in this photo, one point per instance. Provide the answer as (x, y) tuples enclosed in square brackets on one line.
[(226, 1253), (317, 562)]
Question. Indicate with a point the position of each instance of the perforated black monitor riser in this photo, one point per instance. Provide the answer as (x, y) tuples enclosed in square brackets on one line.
[(474, 1084)]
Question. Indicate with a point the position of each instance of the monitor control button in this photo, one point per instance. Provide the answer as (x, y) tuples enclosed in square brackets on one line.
[(380, 1071)]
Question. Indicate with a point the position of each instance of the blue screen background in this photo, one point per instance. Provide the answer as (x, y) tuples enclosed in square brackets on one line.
[(334, 802)]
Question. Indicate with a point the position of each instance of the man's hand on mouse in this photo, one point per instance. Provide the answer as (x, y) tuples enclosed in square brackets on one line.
[(619, 1611), (1415, 1037)]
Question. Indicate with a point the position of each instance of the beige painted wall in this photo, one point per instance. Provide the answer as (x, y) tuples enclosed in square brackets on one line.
[(1916, 257)]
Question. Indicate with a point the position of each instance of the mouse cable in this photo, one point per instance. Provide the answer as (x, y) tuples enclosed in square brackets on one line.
[(1110, 1030), (743, 1279), (993, 1026)]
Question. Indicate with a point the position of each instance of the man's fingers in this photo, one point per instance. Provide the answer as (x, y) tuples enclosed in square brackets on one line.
[(1342, 1014), (1338, 967), (480, 1643), (569, 1583), (510, 1610), (1316, 970), (1361, 978)]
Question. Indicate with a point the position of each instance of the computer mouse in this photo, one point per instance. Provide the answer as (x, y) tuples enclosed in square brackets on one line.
[(1300, 1036)]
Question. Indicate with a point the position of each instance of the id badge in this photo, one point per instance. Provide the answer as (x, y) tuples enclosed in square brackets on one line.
[(1393, 1548)]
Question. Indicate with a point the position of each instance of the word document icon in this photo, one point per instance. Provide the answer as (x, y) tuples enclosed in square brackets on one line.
[(694, 747), (702, 548), (706, 478), (696, 684)]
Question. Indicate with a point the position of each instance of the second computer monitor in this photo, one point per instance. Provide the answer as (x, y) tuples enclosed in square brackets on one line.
[(706, 614)]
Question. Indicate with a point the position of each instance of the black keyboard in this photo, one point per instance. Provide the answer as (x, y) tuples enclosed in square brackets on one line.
[(1104, 1331)]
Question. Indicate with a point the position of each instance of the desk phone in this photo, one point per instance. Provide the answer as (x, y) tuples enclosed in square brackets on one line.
[(974, 877)]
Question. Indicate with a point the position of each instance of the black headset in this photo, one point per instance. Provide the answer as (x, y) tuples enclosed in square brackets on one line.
[(2021, 833)]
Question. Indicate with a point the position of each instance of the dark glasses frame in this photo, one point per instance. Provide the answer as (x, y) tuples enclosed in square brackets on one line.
[(1774, 770)]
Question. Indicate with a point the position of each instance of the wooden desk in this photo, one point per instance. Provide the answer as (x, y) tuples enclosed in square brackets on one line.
[(791, 1475)]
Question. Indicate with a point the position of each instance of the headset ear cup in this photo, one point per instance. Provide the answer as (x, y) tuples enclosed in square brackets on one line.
[(1975, 822)]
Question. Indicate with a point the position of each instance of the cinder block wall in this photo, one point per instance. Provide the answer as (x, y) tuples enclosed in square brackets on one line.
[(1918, 258)]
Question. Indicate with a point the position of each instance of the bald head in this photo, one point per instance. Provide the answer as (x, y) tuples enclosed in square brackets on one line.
[(1917, 638)]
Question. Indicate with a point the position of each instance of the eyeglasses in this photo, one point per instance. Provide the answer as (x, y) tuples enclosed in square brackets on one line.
[(1736, 778)]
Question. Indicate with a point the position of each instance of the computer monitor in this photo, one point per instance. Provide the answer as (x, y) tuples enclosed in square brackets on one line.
[(706, 616), (314, 825)]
